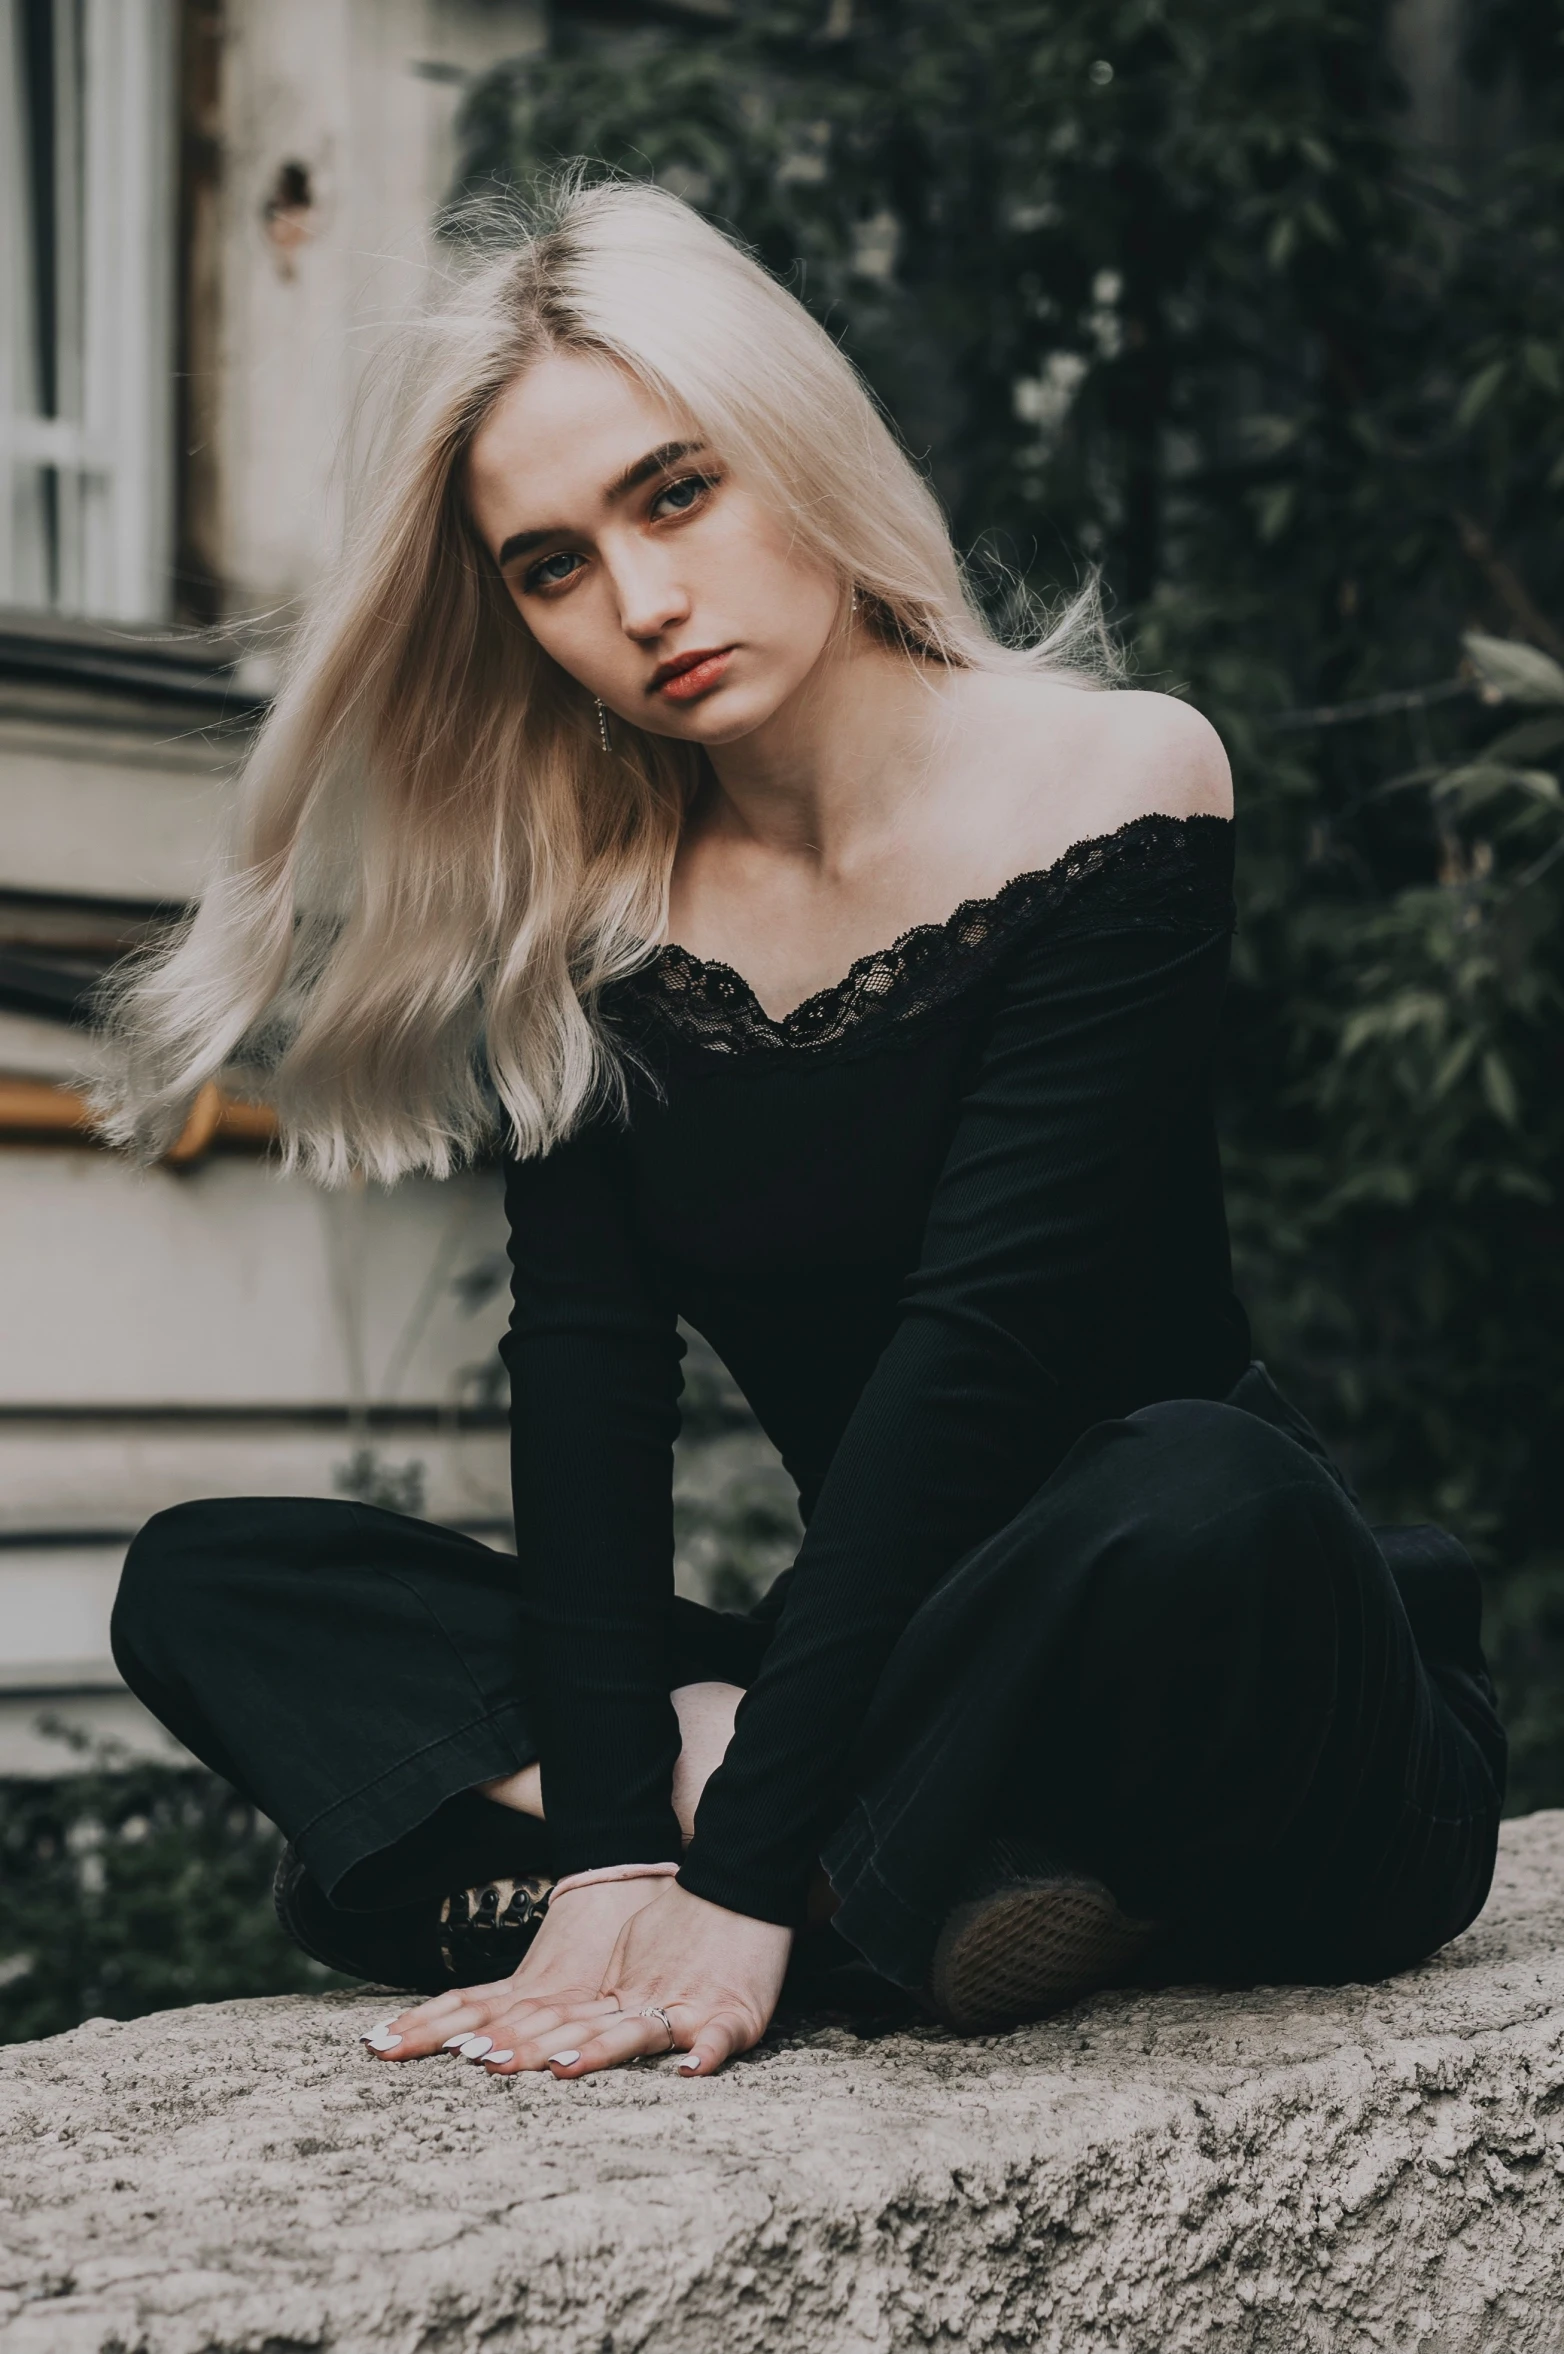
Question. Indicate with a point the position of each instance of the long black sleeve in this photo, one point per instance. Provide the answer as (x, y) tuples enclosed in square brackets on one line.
[(1103, 1034), (593, 1354)]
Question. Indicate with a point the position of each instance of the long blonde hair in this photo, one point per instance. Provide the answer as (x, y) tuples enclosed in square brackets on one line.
[(433, 867)]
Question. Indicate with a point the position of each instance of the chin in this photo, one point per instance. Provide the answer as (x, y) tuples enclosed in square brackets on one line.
[(722, 717)]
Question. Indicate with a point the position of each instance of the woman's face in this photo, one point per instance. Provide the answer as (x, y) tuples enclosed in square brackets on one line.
[(637, 561)]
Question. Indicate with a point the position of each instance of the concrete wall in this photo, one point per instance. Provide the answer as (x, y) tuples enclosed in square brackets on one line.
[(362, 96), (118, 813), (1253, 2170)]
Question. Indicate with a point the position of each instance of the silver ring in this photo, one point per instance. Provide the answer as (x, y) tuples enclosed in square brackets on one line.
[(652, 2012)]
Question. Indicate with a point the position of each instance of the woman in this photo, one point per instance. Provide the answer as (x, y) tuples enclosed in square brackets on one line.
[(648, 788)]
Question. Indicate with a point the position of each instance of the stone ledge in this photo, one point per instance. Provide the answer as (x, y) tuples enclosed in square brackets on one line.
[(1278, 2170)]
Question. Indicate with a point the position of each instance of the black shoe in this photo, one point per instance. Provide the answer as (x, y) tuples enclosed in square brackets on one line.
[(485, 1930), (466, 1939), (1030, 1937)]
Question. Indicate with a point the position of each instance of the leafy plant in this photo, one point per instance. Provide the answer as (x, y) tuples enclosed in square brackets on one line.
[(1177, 292), (130, 1887), (735, 1512), (367, 1477), (1408, 1237)]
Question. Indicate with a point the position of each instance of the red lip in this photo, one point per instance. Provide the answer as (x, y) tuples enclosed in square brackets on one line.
[(684, 676)]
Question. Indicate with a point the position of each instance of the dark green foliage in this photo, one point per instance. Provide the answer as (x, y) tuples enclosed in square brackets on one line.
[(1523, 1631), (131, 1888), (735, 1511), (1175, 291)]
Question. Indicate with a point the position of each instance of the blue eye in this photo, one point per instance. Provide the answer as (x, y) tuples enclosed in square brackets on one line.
[(680, 497), (545, 575)]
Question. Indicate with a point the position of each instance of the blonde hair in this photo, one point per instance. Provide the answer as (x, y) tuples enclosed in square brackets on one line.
[(433, 867)]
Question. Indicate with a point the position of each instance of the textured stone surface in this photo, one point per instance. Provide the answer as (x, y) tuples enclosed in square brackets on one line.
[(1367, 2167)]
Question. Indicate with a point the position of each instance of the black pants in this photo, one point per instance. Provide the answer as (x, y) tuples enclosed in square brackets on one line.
[(1187, 1665)]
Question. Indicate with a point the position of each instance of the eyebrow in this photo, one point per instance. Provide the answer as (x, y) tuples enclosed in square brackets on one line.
[(655, 462)]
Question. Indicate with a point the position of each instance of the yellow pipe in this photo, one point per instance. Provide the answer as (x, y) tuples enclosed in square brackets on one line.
[(38, 1108)]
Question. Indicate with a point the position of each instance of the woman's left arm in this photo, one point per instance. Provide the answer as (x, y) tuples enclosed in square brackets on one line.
[(1105, 1030), (1103, 1034)]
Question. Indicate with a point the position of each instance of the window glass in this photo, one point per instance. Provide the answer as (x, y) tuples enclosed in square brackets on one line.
[(87, 215)]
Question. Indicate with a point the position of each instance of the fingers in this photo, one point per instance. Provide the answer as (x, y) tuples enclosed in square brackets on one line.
[(593, 2044), (582, 2044), (540, 2038), (573, 2034), (532, 2035), (459, 1998), (413, 2033), (717, 2040), (454, 2019), (533, 2029)]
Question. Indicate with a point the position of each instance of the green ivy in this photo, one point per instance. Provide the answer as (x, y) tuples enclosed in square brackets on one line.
[(1172, 291)]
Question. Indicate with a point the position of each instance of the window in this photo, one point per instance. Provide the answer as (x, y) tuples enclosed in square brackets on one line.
[(87, 214)]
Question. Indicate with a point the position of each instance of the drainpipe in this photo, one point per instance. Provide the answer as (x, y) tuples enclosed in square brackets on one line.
[(33, 1110)]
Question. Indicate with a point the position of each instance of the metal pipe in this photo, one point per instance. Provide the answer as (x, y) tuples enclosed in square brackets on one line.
[(32, 1110)]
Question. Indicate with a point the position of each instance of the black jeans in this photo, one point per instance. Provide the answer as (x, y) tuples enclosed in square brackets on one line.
[(1188, 1665)]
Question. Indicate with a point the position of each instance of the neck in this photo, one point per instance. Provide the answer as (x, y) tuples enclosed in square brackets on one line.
[(835, 768)]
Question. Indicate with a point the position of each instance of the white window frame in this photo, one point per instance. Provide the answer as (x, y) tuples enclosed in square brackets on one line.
[(106, 549)]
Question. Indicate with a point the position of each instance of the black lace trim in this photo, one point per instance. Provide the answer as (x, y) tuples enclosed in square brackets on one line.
[(1171, 871)]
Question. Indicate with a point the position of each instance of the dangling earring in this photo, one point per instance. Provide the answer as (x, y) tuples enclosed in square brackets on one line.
[(853, 607), (602, 724)]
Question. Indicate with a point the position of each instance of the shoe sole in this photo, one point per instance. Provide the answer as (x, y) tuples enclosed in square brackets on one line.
[(1030, 1949)]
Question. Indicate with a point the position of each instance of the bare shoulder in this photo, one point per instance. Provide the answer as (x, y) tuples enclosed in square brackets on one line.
[(1078, 761), (1160, 754), (1044, 763)]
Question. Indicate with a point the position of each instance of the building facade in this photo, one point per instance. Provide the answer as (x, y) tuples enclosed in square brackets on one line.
[(211, 212)]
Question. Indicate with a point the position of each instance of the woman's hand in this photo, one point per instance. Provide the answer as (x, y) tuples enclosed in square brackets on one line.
[(716, 1974), (562, 1978), (577, 1988)]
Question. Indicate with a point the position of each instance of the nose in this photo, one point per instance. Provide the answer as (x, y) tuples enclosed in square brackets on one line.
[(650, 596)]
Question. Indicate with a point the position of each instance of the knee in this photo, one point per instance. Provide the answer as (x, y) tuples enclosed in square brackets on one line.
[(175, 1561), (1206, 1437), (165, 1557), (1197, 1466), (1227, 1520), (1208, 1637)]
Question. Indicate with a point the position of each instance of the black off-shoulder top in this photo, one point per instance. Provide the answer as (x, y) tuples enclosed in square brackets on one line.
[(937, 1221)]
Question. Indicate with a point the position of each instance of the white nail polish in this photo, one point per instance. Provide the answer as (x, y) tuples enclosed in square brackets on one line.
[(494, 2058), (689, 2067), (563, 2059), (476, 2045), (383, 2043), (453, 2043)]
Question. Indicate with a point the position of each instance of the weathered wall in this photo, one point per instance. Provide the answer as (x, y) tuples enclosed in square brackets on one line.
[(175, 1334), (349, 104), (1277, 2170)]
